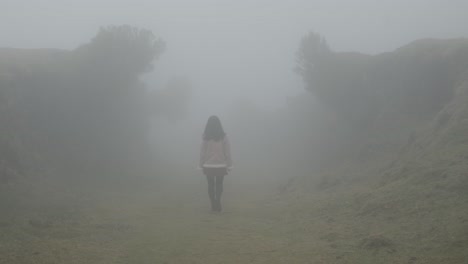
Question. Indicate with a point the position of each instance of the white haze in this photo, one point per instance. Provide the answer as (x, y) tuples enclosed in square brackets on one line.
[(231, 49)]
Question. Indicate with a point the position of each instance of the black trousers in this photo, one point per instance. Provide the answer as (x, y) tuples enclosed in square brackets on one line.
[(215, 178)]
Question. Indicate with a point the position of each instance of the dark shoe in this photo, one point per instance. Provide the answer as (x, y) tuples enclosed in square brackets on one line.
[(213, 205), (218, 206)]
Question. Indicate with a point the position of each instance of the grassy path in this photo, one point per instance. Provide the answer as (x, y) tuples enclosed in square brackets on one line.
[(151, 225), (172, 224)]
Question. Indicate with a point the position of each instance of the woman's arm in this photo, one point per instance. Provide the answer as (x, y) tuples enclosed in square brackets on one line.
[(227, 152)]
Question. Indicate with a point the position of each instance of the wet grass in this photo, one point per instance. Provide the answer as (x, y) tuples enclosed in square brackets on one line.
[(171, 223)]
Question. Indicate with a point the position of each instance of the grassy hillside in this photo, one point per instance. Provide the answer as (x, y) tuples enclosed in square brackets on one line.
[(401, 197)]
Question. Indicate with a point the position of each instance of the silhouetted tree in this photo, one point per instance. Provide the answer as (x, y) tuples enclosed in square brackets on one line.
[(88, 108), (123, 52), (338, 80)]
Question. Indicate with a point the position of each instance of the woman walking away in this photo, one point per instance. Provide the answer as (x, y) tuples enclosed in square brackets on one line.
[(215, 160)]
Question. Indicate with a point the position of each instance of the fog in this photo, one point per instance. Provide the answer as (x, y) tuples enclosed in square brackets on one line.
[(335, 113), (232, 49)]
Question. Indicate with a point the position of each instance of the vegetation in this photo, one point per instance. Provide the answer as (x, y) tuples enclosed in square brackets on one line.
[(375, 160), (82, 110), (400, 178)]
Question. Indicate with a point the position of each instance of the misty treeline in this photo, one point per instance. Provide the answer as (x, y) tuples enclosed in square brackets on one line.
[(366, 104), (356, 107), (88, 110), (84, 109)]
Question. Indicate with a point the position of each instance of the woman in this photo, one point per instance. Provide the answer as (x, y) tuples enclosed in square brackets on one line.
[(215, 160)]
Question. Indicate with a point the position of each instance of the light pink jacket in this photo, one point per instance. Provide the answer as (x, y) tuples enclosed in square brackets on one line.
[(215, 154)]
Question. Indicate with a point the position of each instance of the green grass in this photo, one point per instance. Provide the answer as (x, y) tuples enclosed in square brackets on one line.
[(170, 223)]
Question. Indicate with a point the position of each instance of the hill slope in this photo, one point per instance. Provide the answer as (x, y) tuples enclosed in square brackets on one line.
[(400, 194)]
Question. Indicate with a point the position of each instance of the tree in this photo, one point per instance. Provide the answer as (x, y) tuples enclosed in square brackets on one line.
[(121, 52), (338, 79), (88, 108), (311, 58)]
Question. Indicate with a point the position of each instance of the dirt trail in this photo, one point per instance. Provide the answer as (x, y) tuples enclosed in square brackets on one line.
[(153, 224), (179, 228), (171, 223)]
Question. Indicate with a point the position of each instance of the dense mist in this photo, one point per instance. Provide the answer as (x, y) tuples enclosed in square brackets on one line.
[(232, 49), (345, 121)]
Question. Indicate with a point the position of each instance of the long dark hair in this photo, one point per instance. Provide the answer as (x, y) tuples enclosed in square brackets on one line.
[(213, 129)]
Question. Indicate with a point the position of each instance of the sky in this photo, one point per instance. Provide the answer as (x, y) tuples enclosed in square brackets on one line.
[(233, 50)]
